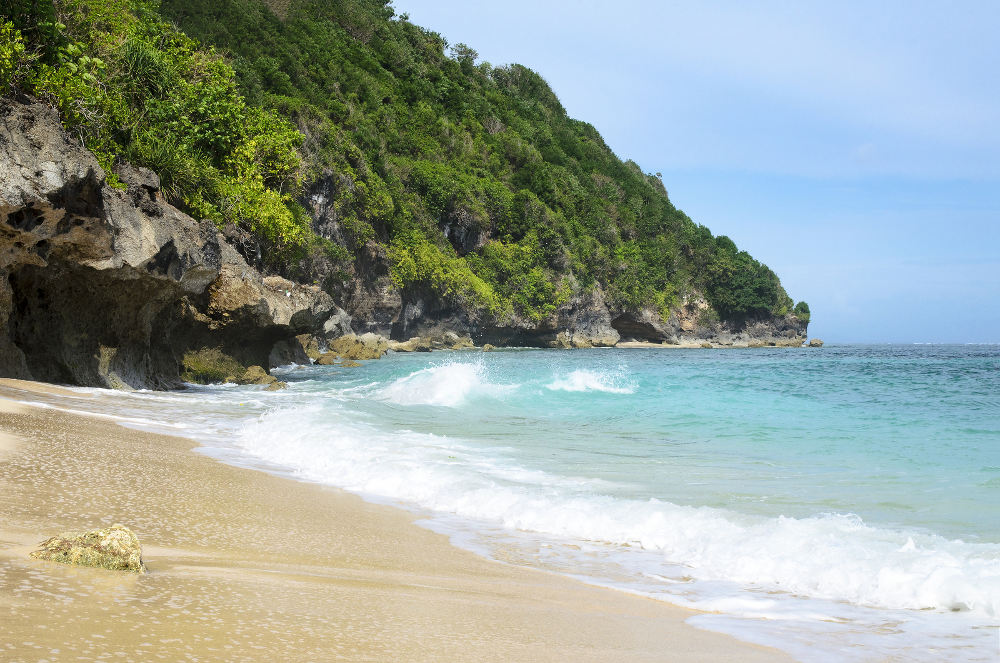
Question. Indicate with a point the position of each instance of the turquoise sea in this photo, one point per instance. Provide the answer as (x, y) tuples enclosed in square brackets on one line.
[(841, 503)]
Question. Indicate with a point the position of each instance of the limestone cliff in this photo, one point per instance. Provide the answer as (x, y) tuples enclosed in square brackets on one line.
[(585, 320), (109, 287)]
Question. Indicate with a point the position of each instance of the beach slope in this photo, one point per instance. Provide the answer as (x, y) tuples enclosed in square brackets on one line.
[(244, 565)]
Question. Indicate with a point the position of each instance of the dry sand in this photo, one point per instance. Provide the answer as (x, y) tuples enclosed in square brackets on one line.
[(244, 565)]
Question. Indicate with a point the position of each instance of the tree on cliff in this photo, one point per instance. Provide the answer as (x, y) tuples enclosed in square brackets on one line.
[(470, 179)]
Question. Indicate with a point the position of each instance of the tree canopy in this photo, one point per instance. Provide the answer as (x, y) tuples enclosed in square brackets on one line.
[(238, 109)]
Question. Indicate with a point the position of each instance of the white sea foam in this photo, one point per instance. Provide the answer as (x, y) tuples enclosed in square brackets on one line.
[(588, 380), (448, 385), (831, 556)]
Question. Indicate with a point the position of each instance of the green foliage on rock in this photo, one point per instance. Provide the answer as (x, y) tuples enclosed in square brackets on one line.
[(133, 87), (416, 260), (472, 178), (209, 365), (740, 286)]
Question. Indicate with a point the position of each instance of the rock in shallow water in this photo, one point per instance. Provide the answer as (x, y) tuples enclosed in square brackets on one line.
[(366, 346), (257, 375), (115, 548)]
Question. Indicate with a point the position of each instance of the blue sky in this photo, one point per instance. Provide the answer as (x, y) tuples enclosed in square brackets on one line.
[(853, 147)]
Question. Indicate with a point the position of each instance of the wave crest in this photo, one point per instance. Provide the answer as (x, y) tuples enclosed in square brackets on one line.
[(587, 380), (449, 385)]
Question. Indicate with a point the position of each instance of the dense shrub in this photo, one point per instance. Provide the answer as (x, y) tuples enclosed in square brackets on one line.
[(132, 87), (418, 137)]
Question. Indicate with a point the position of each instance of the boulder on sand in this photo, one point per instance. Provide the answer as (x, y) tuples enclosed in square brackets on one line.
[(115, 548)]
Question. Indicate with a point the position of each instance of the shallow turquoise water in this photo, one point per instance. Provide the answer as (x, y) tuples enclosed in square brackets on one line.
[(841, 503), (899, 435)]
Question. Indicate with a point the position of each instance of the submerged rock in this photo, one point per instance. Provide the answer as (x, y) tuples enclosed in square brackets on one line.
[(333, 359), (115, 548)]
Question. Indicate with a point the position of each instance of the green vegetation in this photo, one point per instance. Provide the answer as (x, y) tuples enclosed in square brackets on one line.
[(133, 87), (801, 311), (209, 365), (416, 138)]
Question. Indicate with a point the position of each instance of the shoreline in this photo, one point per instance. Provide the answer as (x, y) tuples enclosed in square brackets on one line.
[(248, 565)]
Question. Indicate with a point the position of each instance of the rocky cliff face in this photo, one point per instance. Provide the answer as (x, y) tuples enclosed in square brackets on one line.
[(586, 320), (105, 287), (110, 287)]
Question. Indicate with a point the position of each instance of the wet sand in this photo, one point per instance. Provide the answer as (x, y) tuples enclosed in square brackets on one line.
[(244, 565)]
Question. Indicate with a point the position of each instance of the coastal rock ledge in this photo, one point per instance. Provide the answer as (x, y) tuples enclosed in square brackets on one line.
[(107, 287)]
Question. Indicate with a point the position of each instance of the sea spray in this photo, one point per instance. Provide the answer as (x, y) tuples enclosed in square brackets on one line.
[(447, 385), (590, 380)]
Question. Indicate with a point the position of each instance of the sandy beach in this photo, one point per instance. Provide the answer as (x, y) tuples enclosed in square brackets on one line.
[(244, 565)]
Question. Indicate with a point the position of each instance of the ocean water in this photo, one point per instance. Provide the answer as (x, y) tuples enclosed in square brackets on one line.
[(842, 504)]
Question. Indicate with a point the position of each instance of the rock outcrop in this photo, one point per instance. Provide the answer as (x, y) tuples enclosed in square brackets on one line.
[(115, 548), (108, 287), (257, 375), (693, 323), (447, 341), (354, 347)]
